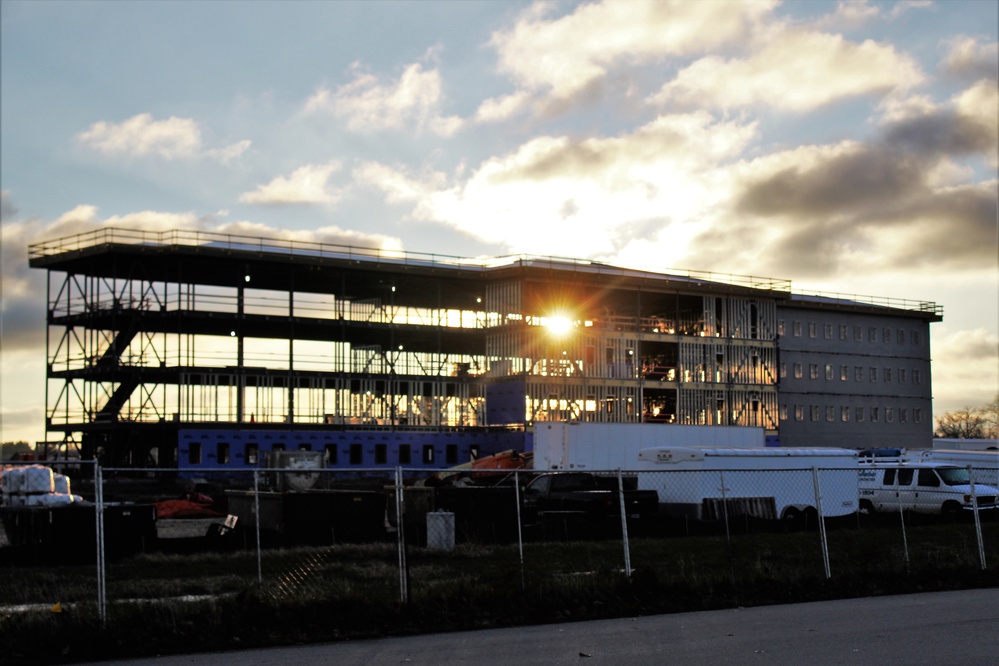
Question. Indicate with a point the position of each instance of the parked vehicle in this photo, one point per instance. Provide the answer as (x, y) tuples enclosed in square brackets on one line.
[(586, 495), (921, 487), (769, 483), (984, 464)]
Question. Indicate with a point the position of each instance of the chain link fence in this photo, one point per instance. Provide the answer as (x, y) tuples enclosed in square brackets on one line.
[(292, 534)]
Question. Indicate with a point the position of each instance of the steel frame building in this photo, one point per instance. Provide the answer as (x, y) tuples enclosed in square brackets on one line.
[(158, 341)]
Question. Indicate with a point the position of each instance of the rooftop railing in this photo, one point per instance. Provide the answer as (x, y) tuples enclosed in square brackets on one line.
[(239, 242)]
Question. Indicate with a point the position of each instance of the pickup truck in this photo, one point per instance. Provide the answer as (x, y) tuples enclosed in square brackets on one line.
[(583, 499)]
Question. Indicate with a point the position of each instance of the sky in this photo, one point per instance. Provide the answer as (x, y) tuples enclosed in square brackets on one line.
[(850, 147)]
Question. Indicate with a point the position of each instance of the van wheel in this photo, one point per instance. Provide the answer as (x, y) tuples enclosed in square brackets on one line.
[(951, 509), (866, 507)]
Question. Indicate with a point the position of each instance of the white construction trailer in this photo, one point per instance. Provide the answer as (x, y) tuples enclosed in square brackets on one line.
[(612, 446), (770, 483)]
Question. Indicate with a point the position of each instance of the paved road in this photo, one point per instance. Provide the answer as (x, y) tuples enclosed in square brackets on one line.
[(909, 630)]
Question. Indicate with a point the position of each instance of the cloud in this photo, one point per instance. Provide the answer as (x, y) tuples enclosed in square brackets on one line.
[(965, 368), (969, 59), (795, 71), (571, 197), (411, 102), (305, 185), (141, 136), (558, 59)]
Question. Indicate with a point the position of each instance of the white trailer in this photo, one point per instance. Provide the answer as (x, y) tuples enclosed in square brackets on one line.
[(762, 482), (610, 446)]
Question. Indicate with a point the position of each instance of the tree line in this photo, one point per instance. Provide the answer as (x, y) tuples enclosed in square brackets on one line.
[(970, 422)]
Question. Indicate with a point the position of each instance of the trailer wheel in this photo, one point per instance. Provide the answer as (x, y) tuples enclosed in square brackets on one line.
[(867, 507), (791, 518)]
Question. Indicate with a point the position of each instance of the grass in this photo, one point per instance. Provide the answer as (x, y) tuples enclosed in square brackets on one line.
[(212, 601)]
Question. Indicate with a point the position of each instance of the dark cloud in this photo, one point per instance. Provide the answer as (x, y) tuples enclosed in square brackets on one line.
[(941, 134), (876, 203), (869, 177)]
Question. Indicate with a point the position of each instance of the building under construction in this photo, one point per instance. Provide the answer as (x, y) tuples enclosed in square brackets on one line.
[(187, 348)]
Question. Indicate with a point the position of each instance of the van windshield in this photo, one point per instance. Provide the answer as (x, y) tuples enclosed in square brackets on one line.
[(954, 476)]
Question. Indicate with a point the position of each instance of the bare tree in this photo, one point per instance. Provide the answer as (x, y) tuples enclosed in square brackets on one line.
[(970, 423)]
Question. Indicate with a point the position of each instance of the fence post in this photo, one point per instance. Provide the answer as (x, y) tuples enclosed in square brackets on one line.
[(624, 524), (99, 535), (256, 515), (520, 535), (901, 516), (978, 520), (401, 540), (822, 521)]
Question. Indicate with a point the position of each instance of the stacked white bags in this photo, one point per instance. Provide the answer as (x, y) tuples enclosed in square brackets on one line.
[(34, 485)]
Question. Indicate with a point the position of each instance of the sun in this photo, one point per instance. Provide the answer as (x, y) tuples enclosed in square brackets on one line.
[(558, 325)]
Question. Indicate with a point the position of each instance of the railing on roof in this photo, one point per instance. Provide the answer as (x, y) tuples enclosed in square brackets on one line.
[(882, 301), (194, 238)]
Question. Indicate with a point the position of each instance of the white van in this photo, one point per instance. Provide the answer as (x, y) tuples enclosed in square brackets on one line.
[(921, 487)]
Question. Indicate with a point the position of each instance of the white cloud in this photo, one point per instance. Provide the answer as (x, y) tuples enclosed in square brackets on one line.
[(563, 56), (968, 58), (558, 195), (305, 185), (411, 102), (141, 136), (796, 71)]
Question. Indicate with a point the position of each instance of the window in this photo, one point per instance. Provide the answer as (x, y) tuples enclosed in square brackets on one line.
[(844, 414), (381, 454), (780, 327), (915, 376), (797, 329), (889, 479), (305, 447), (886, 336), (860, 414), (783, 369), (928, 478), (844, 373), (814, 413), (331, 454), (830, 413), (252, 454), (813, 370), (829, 372), (222, 453), (277, 448), (844, 331), (799, 413), (858, 373), (874, 414), (901, 375), (828, 329), (887, 375), (901, 336), (917, 415), (797, 371), (874, 374), (858, 333), (405, 454), (903, 415), (872, 334), (783, 412), (194, 453), (356, 454), (428, 454), (812, 329), (905, 476), (889, 414), (915, 337), (451, 454)]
